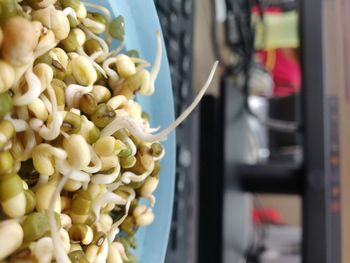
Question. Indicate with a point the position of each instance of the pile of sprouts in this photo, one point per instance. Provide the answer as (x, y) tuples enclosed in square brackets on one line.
[(77, 153)]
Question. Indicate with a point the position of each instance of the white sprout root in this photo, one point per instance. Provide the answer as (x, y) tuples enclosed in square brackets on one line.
[(104, 10), (116, 51), (92, 24), (93, 36), (156, 64), (115, 227), (129, 177), (136, 128), (60, 255), (63, 167), (51, 134), (106, 178), (96, 55), (113, 76)]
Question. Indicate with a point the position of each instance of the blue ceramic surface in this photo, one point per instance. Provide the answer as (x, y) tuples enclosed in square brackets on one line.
[(141, 25)]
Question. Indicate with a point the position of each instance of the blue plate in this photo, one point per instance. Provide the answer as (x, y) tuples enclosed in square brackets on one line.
[(141, 25)]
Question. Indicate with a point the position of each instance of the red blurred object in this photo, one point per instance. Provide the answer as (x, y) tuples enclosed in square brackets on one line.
[(266, 216), (269, 9), (285, 69)]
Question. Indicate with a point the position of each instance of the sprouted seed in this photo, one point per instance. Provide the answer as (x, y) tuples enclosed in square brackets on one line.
[(77, 152)]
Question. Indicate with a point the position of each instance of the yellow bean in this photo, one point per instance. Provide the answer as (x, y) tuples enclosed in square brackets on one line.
[(101, 93), (7, 130), (78, 151), (143, 215), (11, 237), (43, 198), (72, 186), (91, 252), (66, 221), (75, 247), (81, 37), (97, 254), (42, 160), (45, 73), (149, 186), (109, 162), (7, 76), (104, 223), (6, 162), (38, 108), (20, 39), (125, 67), (83, 71), (114, 255), (15, 206), (145, 219), (140, 82), (65, 240), (43, 249), (60, 55), (53, 19), (95, 190), (81, 233), (66, 203), (105, 146), (81, 13), (46, 41)]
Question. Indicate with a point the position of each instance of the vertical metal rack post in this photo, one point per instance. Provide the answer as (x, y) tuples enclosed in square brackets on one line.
[(321, 223)]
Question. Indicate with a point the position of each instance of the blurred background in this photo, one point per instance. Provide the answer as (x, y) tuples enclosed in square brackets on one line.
[(259, 175)]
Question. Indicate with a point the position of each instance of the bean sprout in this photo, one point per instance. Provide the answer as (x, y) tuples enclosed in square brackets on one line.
[(97, 66), (71, 128), (34, 90)]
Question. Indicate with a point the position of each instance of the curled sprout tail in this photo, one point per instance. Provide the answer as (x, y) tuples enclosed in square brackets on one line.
[(106, 178), (68, 11), (113, 76), (33, 92), (95, 160), (74, 92)]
